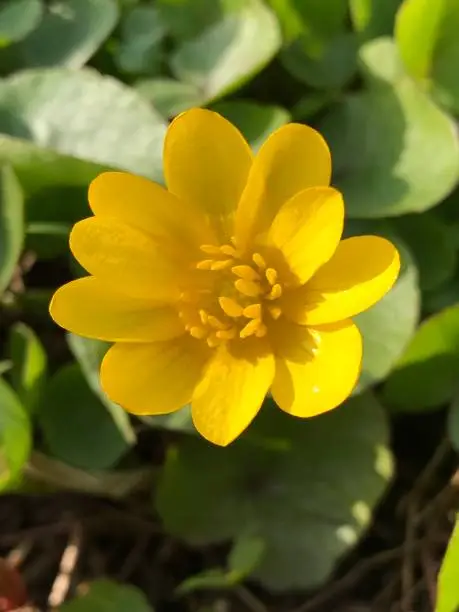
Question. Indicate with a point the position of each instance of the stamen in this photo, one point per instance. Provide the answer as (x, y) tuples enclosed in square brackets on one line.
[(253, 311), (213, 340), (230, 307), (250, 329), (261, 331), (248, 288), (226, 334), (215, 322), (205, 264), (275, 293), (245, 272), (221, 265), (227, 249), (271, 275), (198, 332), (259, 261), (275, 312), (203, 316), (210, 249)]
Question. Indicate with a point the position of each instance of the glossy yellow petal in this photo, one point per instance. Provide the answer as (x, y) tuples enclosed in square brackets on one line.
[(206, 163), (155, 378), (232, 390), (293, 158), (359, 274), (88, 307), (316, 368), (125, 258), (307, 230), (147, 206)]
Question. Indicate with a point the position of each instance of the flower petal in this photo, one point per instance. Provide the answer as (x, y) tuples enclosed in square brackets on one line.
[(206, 163), (293, 158), (232, 391), (147, 206), (125, 258), (90, 308), (316, 368), (307, 229), (155, 378), (359, 274)]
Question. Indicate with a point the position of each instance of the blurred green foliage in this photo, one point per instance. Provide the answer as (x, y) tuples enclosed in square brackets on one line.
[(91, 84)]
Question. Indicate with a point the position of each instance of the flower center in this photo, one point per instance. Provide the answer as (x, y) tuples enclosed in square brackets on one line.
[(238, 298)]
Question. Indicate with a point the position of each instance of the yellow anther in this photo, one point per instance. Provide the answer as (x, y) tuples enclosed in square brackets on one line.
[(205, 264), (230, 307), (245, 272), (226, 334), (221, 265), (203, 316), (253, 311), (248, 288), (213, 340), (261, 331), (216, 323), (251, 328), (275, 312), (198, 332), (275, 292), (271, 275), (227, 249), (210, 249), (259, 261)]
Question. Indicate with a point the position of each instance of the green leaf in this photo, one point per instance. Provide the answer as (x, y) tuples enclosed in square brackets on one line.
[(187, 19), (29, 367), (319, 50), (71, 118), (333, 67), (15, 436), (69, 34), (428, 238), (388, 326), (142, 34), (442, 297), (5, 366), (169, 97), (207, 580), (77, 427), (228, 53), (18, 18), (426, 34), (373, 18), (448, 592), (314, 20), (382, 141), (107, 596), (11, 224), (89, 354), (254, 120), (245, 556), (305, 487), (427, 374), (47, 240)]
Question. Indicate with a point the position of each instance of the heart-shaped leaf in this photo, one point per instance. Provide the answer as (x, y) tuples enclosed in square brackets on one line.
[(382, 141), (305, 487)]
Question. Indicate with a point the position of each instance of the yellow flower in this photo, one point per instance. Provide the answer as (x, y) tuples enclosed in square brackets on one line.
[(230, 283)]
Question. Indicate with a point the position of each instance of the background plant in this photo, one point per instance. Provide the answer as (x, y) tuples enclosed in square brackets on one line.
[(88, 85)]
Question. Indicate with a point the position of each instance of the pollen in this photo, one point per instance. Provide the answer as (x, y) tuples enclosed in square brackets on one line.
[(238, 298)]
